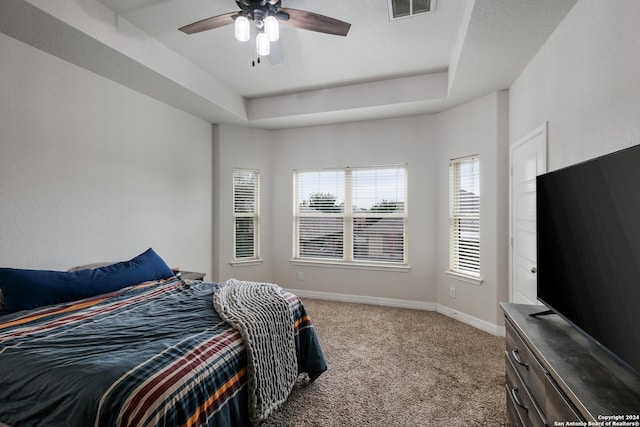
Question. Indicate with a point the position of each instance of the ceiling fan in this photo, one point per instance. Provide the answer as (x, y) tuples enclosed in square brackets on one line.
[(266, 15)]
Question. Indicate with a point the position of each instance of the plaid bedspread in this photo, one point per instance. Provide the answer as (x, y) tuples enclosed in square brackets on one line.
[(156, 354)]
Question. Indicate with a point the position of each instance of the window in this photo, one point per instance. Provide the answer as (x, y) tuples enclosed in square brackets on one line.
[(351, 215), (246, 214), (464, 217), (404, 8)]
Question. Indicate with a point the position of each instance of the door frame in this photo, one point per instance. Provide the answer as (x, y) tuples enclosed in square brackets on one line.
[(540, 130)]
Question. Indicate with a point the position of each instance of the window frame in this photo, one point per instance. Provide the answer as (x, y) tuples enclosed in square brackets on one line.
[(432, 9), (348, 216), (471, 275), (255, 215)]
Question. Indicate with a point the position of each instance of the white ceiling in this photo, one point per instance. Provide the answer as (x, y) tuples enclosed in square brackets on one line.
[(375, 48), (383, 68)]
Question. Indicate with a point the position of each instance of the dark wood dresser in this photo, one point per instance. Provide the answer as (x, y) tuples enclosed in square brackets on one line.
[(558, 377)]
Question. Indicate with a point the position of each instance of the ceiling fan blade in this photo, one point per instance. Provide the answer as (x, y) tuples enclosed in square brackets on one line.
[(209, 23), (275, 56), (315, 22)]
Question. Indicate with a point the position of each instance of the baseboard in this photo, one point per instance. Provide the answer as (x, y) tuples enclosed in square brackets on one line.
[(359, 299), (416, 305), (472, 321)]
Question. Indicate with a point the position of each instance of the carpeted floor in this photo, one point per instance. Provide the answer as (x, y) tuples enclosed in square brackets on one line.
[(398, 367)]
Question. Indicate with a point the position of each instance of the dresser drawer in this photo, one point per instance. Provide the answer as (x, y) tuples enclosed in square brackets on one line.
[(512, 413), (528, 411), (530, 370), (558, 408)]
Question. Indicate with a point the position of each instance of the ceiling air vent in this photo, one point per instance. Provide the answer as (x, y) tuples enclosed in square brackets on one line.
[(405, 8)]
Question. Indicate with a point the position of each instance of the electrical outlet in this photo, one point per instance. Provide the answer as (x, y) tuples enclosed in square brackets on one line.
[(300, 275), (452, 292)]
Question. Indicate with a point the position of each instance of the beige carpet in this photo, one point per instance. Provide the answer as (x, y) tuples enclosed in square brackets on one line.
[(398, 367)]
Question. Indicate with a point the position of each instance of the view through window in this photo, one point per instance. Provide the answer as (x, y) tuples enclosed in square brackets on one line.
[(354, 215)]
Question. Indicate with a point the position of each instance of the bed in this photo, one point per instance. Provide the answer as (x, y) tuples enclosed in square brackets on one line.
[(153, 353)]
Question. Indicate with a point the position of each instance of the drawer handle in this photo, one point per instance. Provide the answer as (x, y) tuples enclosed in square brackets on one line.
[(516, 357), (514, 394)]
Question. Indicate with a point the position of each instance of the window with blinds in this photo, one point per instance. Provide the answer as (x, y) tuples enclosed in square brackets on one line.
[(246, 214), (352, 215), (405, 8), (464, 216)]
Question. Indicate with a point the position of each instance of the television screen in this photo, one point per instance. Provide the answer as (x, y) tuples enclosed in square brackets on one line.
[(588, 232)]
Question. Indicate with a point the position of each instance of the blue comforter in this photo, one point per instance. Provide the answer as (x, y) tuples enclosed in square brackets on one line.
[(156, 354)]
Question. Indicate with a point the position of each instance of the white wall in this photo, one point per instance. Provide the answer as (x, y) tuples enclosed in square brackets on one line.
[(585, 82), (384, 142), (477, 127), (425, 143), (92, 171), (239, 147), (278, 153)]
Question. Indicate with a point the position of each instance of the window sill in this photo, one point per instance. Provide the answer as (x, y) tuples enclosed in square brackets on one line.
[(464, 277), (246, 263), (402, 268)]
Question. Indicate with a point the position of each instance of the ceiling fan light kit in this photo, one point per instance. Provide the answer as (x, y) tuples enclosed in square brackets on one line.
[(272, 28), (242, 29), (268, 30), (262, 44), (266, 16)]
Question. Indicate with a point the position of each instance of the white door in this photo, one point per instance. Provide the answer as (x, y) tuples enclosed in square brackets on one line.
[(528, 160)]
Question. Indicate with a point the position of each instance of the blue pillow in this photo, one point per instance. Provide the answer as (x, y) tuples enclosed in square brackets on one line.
[(28, 289)]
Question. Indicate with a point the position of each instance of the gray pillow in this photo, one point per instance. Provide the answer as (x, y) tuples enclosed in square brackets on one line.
[(92, 266)]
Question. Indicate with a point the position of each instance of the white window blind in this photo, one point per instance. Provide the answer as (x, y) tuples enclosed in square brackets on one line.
[(353, 215), (464, 216), (319, 213), (246, 213)]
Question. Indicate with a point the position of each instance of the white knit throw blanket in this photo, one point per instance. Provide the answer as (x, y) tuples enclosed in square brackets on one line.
[(263, 317)]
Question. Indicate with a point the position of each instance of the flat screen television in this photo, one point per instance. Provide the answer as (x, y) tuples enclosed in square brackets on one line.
[(588, 236)]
